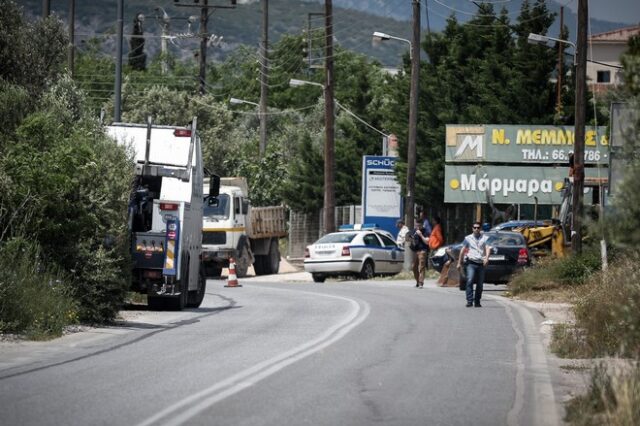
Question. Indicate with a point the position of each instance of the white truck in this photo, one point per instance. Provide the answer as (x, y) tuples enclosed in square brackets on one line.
[(231, 227), (165, 212)]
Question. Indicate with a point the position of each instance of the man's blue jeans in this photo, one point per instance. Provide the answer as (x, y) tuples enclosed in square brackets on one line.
[(475, 272)]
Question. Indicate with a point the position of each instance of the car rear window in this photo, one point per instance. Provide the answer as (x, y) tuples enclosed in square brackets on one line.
[(505, 240), (339, 237)]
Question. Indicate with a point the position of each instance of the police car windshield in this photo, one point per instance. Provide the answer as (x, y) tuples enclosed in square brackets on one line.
[(219, 210), (339, 237)]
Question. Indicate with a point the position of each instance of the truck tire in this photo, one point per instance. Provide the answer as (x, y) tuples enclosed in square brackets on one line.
[(212, 269), (242, 262), (196, 296), (259, 265), (273, 258)]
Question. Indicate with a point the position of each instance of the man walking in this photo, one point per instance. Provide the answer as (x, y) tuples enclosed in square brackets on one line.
[(475, 252)]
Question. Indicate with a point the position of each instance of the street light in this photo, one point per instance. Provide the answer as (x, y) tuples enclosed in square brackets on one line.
[(579, 123), (413, 111), (237, 101), (544, 40), (294, 82), (378, 37), (329, 153)]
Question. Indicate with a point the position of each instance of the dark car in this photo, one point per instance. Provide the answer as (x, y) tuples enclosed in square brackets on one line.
[(512, 224), (509, 254)]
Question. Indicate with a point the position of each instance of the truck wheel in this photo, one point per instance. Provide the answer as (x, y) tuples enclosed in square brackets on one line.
[(259, 265), (155, 303), (273, 258), (196, 296), (367, 270), (318, 278), (212, 270), (242, 262)]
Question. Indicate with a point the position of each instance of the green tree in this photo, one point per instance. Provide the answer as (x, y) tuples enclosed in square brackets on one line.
[(624, 221), (32, 54)]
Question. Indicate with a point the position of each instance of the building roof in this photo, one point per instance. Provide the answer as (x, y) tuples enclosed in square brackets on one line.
[(619, 35)]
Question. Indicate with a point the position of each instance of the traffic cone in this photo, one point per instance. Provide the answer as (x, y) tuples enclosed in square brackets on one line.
[(232, 279)]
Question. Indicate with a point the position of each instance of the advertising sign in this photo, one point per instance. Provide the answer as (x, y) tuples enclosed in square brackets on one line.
[(523, 144), (381, 192), (507, 184)]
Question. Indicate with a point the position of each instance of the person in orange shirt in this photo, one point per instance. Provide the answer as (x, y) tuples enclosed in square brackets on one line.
[(436, 240)]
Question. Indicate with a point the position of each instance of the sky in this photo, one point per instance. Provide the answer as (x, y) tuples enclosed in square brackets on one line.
[(625, 11)]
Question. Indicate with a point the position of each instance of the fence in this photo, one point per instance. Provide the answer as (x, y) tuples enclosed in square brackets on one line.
[(306, 228)]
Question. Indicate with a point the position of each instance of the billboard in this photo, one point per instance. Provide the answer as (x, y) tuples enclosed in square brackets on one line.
[(492, 143), (508, 184), (381, 192)]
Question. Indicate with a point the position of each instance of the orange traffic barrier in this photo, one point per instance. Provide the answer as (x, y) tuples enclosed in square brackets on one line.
[(232, 279)]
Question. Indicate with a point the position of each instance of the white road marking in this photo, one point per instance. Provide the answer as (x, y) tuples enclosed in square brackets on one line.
[(546, 409), (191, 406)]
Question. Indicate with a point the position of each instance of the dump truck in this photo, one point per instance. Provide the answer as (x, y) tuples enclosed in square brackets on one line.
[(232, 228), (165, 212)]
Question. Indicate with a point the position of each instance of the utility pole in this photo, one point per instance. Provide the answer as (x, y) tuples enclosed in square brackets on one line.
[(46, 8), (580, 118), (204, 18), (118, 84), (72, 34), (413, 116), (560, 62), (164, 47), (329, 143), (264, 64)]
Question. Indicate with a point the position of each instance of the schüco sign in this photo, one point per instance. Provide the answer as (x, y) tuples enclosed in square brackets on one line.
[(523, 144)]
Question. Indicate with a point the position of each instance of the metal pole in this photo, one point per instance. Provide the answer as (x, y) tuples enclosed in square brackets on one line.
[(580, 118), (204, 17), (329, 145), (46, 8), (72, 23), (413, 116), (560, 62), (118, 84), (264, 63)]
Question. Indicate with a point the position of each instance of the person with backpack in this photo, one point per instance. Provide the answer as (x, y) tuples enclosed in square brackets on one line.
[(420, 245)]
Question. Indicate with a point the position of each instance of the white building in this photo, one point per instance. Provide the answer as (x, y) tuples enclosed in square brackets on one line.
[(604, 54)]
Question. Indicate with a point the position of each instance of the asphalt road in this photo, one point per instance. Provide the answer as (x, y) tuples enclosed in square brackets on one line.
[(292, 353)]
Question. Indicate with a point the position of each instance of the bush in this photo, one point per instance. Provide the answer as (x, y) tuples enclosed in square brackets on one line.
[(613, 399), (75, 183), (554, 273), (609, 310), (35, 300)]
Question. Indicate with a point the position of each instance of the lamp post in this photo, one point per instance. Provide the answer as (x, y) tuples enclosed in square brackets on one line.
[(329, 158), (413, 110)]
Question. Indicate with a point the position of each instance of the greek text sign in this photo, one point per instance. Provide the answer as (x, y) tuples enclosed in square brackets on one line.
[(523, 144), (506, 184)]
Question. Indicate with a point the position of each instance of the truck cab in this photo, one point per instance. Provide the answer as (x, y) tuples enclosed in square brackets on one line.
[(225, 226), (233, 229)]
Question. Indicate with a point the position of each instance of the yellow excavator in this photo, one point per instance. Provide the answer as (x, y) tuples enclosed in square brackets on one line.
[(554, 237)]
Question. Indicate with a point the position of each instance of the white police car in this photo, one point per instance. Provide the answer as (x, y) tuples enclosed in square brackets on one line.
[(360, 250)]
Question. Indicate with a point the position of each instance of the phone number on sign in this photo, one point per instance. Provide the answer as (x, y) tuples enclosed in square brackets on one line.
[(559, 155)]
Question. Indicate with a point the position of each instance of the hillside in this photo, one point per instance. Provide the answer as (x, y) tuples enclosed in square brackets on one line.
[(241, 25), (354, 22)]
